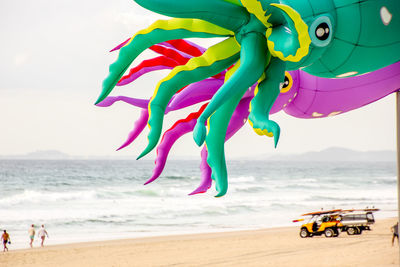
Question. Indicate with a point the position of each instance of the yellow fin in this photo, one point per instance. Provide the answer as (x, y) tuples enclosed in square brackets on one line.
[(254, 7), (302, 32)]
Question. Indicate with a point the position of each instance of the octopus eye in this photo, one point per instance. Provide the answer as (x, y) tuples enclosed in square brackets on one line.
[(287, 83), (321, 31)]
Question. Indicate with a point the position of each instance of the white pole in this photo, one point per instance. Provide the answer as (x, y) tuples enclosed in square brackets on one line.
[(398, 155)]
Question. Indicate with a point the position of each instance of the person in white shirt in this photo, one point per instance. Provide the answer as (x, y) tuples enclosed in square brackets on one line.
[(42, 233), (31, 233)]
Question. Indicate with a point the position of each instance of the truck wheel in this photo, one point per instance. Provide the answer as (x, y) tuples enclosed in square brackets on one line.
[(336, 233), (329, 232), (351, 231), (304, 233)]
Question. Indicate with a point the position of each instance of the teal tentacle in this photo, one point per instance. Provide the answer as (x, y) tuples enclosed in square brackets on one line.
[(160, 31), (219, 12), (265, 94), (253, 62), (235, 2), (215, 140), (216, 59)]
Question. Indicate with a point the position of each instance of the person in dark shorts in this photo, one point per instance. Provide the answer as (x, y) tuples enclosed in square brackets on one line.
[(395, 231), (5, 237)]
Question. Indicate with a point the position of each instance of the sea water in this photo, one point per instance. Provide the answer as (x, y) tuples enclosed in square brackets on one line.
[(89, 200)]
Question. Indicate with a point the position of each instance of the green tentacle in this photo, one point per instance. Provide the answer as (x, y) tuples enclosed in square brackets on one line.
[(215, 140), (265, 94), (253, 62), (160, 31), (226, 14), (213, 61)]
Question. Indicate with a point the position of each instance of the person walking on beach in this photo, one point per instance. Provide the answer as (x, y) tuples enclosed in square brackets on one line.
[(5, 237), (395, 231), (42, 233), (31, 233)]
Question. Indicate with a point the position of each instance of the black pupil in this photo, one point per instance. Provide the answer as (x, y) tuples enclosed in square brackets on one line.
[(285, 82), (322, 31)]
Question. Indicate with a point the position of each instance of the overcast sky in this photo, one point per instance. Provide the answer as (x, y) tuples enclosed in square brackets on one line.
[(54, 56)]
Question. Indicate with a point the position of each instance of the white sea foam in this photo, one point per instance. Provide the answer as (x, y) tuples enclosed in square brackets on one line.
[(85, 200), (33, 196)]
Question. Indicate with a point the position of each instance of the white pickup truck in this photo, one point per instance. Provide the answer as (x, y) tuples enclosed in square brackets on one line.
[(356, 222)]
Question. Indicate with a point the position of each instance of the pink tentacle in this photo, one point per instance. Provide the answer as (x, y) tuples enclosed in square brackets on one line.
[(138, 127), (110, 100), (120, 45), (169, 138), (206, 180)]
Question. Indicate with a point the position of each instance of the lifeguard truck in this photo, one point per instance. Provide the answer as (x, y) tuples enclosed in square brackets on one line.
[(331, 222)]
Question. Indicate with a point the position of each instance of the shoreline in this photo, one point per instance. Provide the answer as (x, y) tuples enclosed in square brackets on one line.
[(280, 246), (166, 235)]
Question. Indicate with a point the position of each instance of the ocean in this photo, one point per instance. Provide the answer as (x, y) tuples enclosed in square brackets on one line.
[(92, 200)]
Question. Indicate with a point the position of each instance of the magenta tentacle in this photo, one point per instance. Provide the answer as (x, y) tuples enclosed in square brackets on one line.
[(120, 45), (180, 128), (110, 100), (206, 180), (138, 127), (168, 140), (195, 93)]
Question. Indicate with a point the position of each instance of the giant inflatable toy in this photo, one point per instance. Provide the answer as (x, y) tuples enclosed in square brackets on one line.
[(325, 39), (302, 96)]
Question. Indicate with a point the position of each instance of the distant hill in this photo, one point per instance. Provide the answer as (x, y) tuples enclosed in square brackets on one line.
[(40, 154), (58, 155), (339, 154), (329, 154)]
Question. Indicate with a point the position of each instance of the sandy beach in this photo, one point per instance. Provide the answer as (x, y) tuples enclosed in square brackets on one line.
[(267, 247)]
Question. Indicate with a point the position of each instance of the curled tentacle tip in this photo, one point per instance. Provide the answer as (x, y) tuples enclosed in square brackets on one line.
[(149, 181), (199, 133), (145, 151), (197, 191), (221, 194), (122, 146), (101, 98), (276, 139), (141, 155), (107, 88), (277, 133), (221, 191)]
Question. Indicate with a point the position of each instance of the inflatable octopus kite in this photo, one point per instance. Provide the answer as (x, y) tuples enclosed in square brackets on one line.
[(310, 58)]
